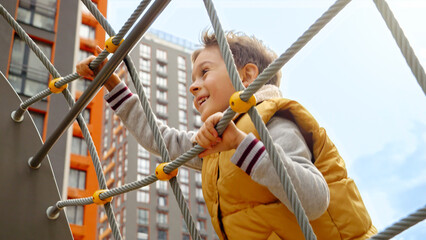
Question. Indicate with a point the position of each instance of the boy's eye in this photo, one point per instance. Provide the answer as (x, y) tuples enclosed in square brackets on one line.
[(204, 71)]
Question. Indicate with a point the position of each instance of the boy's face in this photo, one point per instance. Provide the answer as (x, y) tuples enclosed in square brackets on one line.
[(211, 85)]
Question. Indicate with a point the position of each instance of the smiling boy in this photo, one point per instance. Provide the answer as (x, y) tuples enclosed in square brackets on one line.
[(241, 188)]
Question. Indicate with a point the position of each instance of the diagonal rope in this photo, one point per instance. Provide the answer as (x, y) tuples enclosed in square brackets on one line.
[(403, 43), (401, 225)]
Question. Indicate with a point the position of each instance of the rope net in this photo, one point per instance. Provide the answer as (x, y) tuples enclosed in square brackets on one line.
[(133, 37)]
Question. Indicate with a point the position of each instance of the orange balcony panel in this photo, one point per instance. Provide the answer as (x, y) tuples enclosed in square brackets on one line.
[(78, 231), (87, 43), (105, 234), (109, 167), (103, 219), (80, 162), (77, 193), (110, 182), (118, 129), (108, 154)]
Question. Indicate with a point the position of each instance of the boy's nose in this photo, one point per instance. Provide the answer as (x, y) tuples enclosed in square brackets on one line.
[(195, 87)]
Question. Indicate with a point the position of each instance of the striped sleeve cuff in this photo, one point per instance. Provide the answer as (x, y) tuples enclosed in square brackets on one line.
[(248, 154), (118, 96)]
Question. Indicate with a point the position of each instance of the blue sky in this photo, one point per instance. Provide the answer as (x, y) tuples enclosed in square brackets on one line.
[(351, 77)]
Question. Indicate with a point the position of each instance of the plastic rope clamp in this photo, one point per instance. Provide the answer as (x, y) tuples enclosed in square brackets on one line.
[(98, 200), (238, 105), (110, 46), (161, 175), (55, 89)]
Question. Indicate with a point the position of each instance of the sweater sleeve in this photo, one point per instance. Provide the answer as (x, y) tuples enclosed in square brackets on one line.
[(129, 109), (308, 182)]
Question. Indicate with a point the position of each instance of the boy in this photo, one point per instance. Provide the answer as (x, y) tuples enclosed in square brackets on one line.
[(241, 188)]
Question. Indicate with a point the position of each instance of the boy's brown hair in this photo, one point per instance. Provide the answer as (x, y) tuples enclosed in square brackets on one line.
[(245, 49)]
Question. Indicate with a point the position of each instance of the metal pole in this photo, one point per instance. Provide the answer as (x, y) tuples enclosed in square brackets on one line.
[(139, 30)]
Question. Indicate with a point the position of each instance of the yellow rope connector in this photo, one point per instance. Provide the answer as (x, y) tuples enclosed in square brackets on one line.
[(161, 175), (110, 46), (54, 89), (238, 105), (99, 201)]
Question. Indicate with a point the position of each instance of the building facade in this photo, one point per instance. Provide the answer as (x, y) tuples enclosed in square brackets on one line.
[(66, 32), (164, 67)]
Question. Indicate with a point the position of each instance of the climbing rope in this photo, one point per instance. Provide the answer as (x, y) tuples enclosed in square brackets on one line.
[(401, 225), (59, 85), (403, 43)]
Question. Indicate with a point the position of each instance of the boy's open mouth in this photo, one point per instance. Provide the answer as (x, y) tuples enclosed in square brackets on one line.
[(201, 100)]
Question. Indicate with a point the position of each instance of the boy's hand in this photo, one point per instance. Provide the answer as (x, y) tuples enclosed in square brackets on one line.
[(208, 138), (83, 69)]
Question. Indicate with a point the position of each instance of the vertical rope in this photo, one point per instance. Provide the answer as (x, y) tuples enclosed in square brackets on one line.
[(224, 46)]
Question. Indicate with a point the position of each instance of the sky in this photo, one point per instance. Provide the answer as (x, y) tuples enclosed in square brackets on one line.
[(351, 76)]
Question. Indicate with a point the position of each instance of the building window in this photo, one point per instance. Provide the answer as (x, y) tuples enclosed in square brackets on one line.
[(77, 179), (142, 196), (83, 54), (182, 116), (27, 74), (142, 233), (182, 89), (78, 146), (147, 91), (143, 216), (198, 122), (183, 103), (162, 95), (183, 175), (142, 152), (182, 76), (162, 68), (38, 119), (87, 31), (161, 109), (161, 55), (162, 235), (185, 237), (185, 190), (183, 127), (201, 208), (201, 224), (181, 63), (161, 81), (143, 166), (161, 218), (86, 115), (145, 64), (38, 13), (198, 178), (75, 214), (145, 51), (199, 194), (162, 201), (161, 185), (145, 78)]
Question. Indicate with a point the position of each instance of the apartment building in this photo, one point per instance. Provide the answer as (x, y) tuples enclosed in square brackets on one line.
[(66, 32), (164, 67)]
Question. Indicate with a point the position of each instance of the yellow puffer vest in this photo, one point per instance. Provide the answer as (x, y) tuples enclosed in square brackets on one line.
[(243, 209)]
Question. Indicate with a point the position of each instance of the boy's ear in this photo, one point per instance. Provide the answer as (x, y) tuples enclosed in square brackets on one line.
[(248, 73)]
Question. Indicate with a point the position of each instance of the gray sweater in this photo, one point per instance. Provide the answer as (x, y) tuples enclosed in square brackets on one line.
[(250, 155)]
